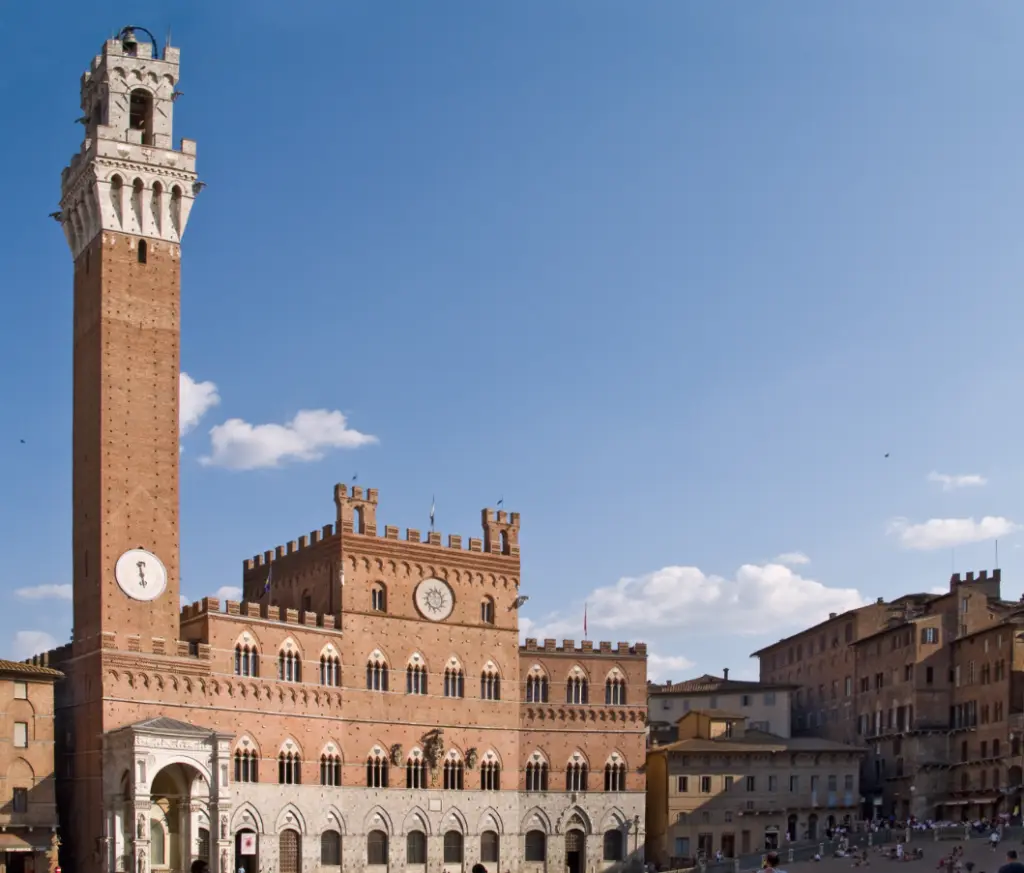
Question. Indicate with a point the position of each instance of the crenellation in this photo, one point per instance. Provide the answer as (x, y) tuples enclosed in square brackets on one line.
[(587, 646), (454, 541), (252, 610), (433, 538), (530, 645), (183, 648), (390, 532), (475, 544), (292, 545), (623, 648), (550, 645), (233, 607), (308, 618), (605, 647), (412, 535), (568, 645), (291, 616)]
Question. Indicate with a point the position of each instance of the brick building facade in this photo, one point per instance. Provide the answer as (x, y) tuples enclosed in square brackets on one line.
[(931, 684), (368, 704)]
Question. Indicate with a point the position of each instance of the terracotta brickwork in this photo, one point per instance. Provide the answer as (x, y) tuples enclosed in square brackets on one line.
[(301, 715)]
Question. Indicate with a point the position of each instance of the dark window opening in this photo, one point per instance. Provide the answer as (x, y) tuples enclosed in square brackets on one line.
[(143, 252), (140, 114)]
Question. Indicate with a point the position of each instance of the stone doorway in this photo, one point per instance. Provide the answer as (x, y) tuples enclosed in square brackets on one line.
[(575, 851), (247, 847), (289, 854)]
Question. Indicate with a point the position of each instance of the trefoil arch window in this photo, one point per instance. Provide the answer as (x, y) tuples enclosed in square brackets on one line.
[(377, 770), (289, 768), (289, 666), (576, 776)]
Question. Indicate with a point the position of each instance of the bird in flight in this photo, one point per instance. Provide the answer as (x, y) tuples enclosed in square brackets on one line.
[(887, 454)]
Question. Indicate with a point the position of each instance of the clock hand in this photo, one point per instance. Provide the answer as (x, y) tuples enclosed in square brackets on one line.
[(142, 575)]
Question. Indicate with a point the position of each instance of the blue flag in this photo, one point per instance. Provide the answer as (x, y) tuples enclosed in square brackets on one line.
[(266, 587)]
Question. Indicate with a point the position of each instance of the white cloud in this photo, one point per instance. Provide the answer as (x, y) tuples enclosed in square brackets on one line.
[(228, 592), (951, 482), (27, 643), (939, 589), (195, 400), (947, 533), (792, 559), (183, 601), (44, 592), (238, 445), (759, 599), (662, 668)]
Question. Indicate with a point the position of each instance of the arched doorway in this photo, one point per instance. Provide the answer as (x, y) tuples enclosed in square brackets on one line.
[(575, 851), (247, 851), (791, 827), (179, 799), (812, 826), (289, 852)]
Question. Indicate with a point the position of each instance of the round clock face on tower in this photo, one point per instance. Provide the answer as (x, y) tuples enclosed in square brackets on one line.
[(434, 599), (140, 574)]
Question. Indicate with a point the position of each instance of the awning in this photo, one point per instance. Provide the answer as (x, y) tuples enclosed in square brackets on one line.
[(14, 843)]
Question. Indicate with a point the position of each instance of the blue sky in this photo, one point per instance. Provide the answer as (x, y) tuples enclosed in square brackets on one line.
[(671, 278)]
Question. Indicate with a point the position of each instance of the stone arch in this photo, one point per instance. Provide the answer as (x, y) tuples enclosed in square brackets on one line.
[(616, 757), (330, 651), (490, 754), (378, 819), (577, 756), (290, 745), (416, 659), (289, 644), (246, 743), (490, 820), (249, 637), (290, 818), (416, 820), (575, 816), (247, 817), (334, 820), (578, 670), (454, 819), (536, 819), (539, 756), (613, 818)]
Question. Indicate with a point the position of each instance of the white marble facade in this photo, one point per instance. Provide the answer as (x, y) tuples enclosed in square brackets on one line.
[(179, 791)]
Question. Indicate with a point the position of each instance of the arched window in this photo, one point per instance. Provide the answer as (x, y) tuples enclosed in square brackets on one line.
[(377, 848), (576, 776), (615, 690), (613, 845), (452, 847), (377, 770), (330, 849), (378, 597), (247, 660), (615, 776), (330, 670), (158, 843), (489, 844), (377, 673), (289, 666), (142, 252), (503, 537), (490, 683), (416, 771), (490, 776), (536, 846), (415, 848), (454, 771), (576, 687), (537, 776), (140, 114), (487, 610), (330, 768), (416, 676), (995, 748), (246, 762), (454, 682), (537, 688), (289, 768), (307, 601)]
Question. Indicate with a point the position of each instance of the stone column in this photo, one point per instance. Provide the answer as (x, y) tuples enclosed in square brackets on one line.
[(141, 851), (222, 849)]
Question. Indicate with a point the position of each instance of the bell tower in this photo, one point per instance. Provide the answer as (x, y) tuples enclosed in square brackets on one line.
[(126, 198)]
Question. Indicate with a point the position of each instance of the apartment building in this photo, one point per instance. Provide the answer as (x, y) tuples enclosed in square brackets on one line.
[(724, 786), (905, 678), (765, 706)]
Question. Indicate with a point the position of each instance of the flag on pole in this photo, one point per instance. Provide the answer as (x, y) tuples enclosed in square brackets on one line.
[(432, 507), (501, 501), (584, 621), (266, 586)]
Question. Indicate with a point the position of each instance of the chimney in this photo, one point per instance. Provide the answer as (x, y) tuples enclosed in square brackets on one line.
[(725, 673)]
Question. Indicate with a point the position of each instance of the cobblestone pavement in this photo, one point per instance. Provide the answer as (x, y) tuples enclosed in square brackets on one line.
[(976, 850)]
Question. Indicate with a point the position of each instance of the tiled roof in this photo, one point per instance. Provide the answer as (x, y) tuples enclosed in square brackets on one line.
[(757, 741), (708, 684), (23, 669), (162, 724)]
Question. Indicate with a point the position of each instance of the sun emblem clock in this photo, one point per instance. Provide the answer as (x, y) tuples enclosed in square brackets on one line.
[(141, 574), (434, 599)]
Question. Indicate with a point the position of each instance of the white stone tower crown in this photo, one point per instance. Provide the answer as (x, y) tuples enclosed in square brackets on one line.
[(128, 177)]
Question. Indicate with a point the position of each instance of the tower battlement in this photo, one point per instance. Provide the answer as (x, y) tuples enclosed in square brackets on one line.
[(586, 647), (357, 514), (127, 176)]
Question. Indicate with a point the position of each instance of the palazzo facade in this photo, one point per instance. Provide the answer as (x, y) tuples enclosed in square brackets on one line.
[(367, 704)]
